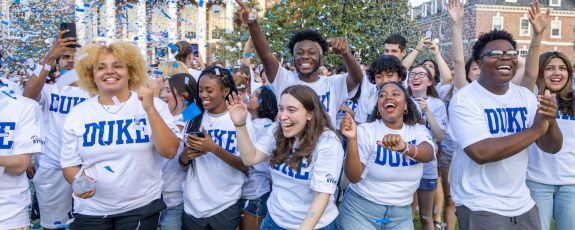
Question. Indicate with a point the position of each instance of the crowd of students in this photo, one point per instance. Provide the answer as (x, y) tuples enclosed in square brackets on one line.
[(273, 147)]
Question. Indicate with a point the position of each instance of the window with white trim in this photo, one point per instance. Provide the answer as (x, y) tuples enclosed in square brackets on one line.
[(434, 7), (424, 10), (524, 27), (554, 2), (497, 22), (556, 28), (523, 53)]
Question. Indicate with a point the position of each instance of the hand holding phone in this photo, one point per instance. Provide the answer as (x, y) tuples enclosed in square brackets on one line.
[(71, 27)]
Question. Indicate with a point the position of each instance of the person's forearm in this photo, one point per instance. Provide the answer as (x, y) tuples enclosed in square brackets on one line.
[(496, 149), (355, 74), (315, 211), (552, 140), (460, 77), (437, 132), (70, 173), (444, 70), (230, 159), (352, 165), (261, 46), (35, 84), (410, 58), (15, 165), (247, 49), (532, 63), (165, 141), (245, 146)]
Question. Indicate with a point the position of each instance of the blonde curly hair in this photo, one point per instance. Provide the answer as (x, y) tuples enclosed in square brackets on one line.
[(170, 68), (126, 53)]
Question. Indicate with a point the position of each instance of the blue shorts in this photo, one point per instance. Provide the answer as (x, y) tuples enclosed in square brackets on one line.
[(428, 184), (256, 207)]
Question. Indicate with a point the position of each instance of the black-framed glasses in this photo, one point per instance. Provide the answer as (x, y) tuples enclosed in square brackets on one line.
[(419, 75), (500, 53)]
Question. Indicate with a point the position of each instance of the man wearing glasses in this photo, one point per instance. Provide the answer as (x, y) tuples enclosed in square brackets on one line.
[(493, 122)]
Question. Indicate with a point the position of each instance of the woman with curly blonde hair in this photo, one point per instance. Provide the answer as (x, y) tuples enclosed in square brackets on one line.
[(109, 142)]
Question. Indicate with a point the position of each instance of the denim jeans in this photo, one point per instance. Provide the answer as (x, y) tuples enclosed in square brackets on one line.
[(171, 218), (557, 201), (269, 224), (357, 212)]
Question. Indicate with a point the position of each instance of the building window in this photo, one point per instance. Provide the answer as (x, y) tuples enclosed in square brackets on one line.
[(556, 28), (424, 10), (554, 2), (523, 52), (524, 27), (434, 7), (497, 22)]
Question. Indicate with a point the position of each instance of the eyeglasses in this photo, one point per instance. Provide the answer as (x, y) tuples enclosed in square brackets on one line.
[(499, 53), (417, 75)]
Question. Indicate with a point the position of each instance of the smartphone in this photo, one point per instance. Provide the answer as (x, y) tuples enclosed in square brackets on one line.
[(71, 33), (197, 134), (428, 34)]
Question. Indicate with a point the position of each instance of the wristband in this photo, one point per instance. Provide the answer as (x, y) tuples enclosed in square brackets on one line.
[(416, 151), (407, 148), (47, 67), (237, 126), (252, 17)]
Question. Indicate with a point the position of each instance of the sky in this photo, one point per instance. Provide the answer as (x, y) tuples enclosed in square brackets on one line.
[(416, 2)]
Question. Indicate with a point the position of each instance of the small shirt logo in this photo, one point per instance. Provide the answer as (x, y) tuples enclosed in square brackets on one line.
[(330, 179), (37, 140)]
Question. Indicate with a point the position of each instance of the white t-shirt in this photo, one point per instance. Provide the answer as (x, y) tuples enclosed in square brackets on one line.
[(56, 104), (211, 184), (172, 175), (389, 178), (332, 91), (117, 150), (367, 100), (259, 178), (439, 112), (12, 85), (294, 191), (555, 169), (20, 124), (195, 73), (476, 114)]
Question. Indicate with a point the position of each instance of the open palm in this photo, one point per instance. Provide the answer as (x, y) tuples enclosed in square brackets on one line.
[(539, 20), (237, 109), (455, 10)]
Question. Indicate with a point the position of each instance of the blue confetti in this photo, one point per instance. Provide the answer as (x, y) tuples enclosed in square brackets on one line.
[(136, 38), (173, 47), (17, 1), (86, 5), (201, 3), (175, 65), (129, 6), (268, 125), (158, 72), (191, 112), (260, 101), (108, 168), (165, 14), (248, 54), (4, 22)]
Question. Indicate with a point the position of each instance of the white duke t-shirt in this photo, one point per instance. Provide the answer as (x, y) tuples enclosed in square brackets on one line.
[(332, 91), (56, 104), (20, 123), (476, 114), (118, 151), (211, 184), (293, 191), (389, 177)]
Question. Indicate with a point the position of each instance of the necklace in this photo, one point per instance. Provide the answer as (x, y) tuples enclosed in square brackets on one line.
[(214, 117), (109, 108)]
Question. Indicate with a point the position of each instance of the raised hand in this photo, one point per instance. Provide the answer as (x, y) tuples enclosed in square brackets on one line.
[(547, 105), (61, 46), (539, 20), (348, 127), (455, 10), (393, 142), (422, 104), (146, 95), (237, 109), (423, 42), (243, 13), (339, 46)]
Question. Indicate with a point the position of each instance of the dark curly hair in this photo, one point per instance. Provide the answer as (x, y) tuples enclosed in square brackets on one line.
[(411, 118), (268, 103), (309, 34), (488, 37), (385, 63)]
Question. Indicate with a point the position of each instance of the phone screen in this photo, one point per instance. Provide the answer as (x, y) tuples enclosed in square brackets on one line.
[(71, 33), (197, 134)]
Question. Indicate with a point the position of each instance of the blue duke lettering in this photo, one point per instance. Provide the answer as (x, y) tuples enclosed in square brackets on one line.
[(62, 104), (350, 104), (5, 128), (117, 130), (224, 138), (506, 120), (325, 100), (302, 173), (565, 117), (392, 158)]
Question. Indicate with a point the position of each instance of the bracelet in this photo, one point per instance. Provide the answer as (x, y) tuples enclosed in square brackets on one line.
[(407, 148), (237, 126), (416, 151)]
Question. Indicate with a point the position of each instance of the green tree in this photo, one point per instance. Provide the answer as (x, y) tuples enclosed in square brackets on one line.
[(365, 23), (31, 32)]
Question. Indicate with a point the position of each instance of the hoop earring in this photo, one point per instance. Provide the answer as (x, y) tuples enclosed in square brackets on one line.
[(405, 112)]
